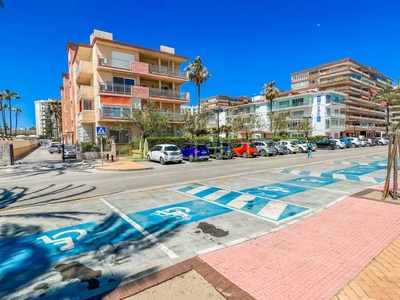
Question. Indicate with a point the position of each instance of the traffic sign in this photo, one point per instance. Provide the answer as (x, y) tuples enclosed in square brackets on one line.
[(101, 131)]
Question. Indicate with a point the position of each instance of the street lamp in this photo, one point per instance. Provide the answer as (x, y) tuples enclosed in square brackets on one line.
[(308, 125), (217, 111)]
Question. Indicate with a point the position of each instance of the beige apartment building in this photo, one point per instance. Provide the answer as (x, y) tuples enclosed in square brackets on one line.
[(359, 83), (107, 79)]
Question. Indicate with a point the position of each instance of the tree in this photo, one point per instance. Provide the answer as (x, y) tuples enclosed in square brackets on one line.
[(281, 123), (246, 124), (304, 127), (48, 127), (55, 110), (9, 96), (227, 129), (148, 120), (387, 96), (198, 74), (195, 125), (3, 108), (270, 92), (17, 112)]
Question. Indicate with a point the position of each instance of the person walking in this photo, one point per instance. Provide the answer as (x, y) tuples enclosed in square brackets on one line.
[(309, 149)]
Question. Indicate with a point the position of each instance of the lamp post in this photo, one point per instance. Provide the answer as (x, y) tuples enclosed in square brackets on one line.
[(217, 111), (308, 125)]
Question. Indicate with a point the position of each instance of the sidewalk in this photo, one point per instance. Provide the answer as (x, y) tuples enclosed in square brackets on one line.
[(120, 164), (350, 250)]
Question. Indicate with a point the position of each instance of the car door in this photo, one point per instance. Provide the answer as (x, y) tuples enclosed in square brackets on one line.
[(155, 153), (185, 151)]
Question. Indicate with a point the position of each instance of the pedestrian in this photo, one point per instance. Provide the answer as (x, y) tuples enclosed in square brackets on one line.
[(309, 149)]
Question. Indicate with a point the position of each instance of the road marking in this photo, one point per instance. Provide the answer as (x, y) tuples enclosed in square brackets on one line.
[(143, 231), (11, 210)]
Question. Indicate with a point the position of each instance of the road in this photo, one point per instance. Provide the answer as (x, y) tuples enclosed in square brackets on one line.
[(59, 221)]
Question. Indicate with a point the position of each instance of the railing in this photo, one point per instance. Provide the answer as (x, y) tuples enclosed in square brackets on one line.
[(177, 117), (79, 117), (114, 62), (166, 71), (78, 93), (78, 70), (114, 88), (335, 115), (115, 112), (333, 80), (335, 70), (161, 93)]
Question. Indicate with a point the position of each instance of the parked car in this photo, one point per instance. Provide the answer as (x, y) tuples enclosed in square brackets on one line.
[(266, 148), (291, 145), (245, 149), (303, 146), (382, 141), (370, 142), (355, 142), (194, 152), (346, 141), (69, 151), (326, 144), (220, 150), (340, 144), (282, 149), (164, 153), (53, 147)]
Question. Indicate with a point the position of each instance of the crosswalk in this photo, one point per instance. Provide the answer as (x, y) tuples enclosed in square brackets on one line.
[(268, 208)]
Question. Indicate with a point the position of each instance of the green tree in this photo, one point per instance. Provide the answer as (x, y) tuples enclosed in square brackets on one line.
[(227, 129), (9, 96), (198, 74), (195, 125), (48, 127), (270, 92), (304, 127), (3, 107), (244, 123), (387, 96), (17, 112), (148, 120), (54, 108), (281, 123)]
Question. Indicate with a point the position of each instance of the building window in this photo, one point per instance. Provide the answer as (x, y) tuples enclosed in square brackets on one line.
[(120, 136), (297, 102), (87, 104), (124, 81)]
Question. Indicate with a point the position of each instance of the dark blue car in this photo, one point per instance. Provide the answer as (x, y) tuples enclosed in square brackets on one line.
[(347, 142), (194, 152)]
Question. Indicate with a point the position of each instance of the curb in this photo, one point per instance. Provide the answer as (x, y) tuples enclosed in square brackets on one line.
[(116, 169)]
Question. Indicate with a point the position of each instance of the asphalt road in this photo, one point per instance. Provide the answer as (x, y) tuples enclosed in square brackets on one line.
[(68, 229)]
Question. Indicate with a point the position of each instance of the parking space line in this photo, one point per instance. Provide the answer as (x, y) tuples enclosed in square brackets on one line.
[(143, 231)]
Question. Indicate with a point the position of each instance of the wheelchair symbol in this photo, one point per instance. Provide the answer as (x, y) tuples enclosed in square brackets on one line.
[(177, 212), (310, 180), (67, 241), (274, 189)]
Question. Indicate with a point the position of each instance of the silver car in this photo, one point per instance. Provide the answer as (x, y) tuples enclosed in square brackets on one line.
[(164, 153)]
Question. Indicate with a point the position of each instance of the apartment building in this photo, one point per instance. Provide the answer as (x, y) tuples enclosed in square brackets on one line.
[(359, 83), (107, 79), (42, 116)]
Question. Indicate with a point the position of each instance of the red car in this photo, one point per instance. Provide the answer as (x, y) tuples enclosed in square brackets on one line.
[(245, 149)]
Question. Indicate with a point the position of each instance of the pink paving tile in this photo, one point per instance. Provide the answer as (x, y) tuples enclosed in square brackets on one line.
[(315, 257)]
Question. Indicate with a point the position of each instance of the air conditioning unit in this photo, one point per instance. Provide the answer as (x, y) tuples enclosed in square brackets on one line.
[(102, 61), (103, 87)]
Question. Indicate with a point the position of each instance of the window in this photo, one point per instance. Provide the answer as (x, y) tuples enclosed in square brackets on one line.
[(121, 136), (298, 114), (87, 104), (297, 102), (123, 81)]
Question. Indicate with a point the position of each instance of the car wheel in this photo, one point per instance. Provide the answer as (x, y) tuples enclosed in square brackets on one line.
[(262, 153), (353, 145), (206, 159), (148, 158), (245, 155), (162, 161), (218, 156), (179, 161), (191, 158), (328, 147)]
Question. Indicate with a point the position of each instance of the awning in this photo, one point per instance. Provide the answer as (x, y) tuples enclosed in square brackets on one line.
[(372, 90), (365, 97)]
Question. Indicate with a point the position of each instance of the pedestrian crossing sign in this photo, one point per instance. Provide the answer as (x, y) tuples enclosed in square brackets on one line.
[(101, 131)]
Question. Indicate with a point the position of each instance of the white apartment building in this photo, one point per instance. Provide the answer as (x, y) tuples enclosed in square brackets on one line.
[(41, 115)]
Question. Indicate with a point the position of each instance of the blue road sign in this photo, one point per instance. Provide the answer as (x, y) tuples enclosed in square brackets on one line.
[(101, 131)]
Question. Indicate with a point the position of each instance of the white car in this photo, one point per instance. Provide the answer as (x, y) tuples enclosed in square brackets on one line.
[(383, 141), (164, 153), (354, 141), (340, 143), (291, 145)]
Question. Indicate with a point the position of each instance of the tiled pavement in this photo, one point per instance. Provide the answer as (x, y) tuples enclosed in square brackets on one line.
[(336, 254)]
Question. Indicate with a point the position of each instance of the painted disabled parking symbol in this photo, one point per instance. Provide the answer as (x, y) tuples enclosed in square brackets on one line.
[(274, 189), (67, 241), (177, 212), (310, 180)]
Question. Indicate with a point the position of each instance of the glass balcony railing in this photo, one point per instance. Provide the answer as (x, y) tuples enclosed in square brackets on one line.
[(115, 112), (163, 93), (166, 71), (114, 88), (114, 63)]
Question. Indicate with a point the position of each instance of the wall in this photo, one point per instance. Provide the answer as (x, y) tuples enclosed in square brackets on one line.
[(21, 149)]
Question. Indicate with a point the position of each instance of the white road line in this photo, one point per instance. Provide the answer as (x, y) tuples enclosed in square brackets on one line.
[(216, 195), (272, 210), (148, 235), (241, 201), (197, 190)]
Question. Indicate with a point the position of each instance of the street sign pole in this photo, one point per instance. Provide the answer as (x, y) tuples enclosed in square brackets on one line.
[(101, 149), (101, 131)]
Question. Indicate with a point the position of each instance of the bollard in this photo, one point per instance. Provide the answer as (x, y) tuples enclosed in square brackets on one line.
[(108, 156), (112, 157)]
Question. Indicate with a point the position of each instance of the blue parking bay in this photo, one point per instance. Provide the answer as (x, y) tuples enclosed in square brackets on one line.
[(168, 217), (356, 170), (276, 190), (313, 182), (260, 206)]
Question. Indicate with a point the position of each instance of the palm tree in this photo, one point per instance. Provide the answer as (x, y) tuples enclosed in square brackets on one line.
[(3, 108), (17, 112), (55, 110), (8, 95), (387, 96), (270, 92), (198, 74)]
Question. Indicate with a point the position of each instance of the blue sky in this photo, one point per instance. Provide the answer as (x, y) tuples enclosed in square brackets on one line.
[(244, 44)]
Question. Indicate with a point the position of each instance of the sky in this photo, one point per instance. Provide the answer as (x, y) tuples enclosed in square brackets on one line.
[(243, 44)]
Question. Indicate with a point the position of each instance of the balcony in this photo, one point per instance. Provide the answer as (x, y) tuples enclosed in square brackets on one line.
[(162, 93), (84, 91), (141, 68), (114, 88), (335, 115), (334, 70), (334, 80), (86, 116), (84, 72), (114, 112), (174, 117)]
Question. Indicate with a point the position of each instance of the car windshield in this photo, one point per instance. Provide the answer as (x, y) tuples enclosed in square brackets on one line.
[(201, 146), (171, 148), (69, 148)]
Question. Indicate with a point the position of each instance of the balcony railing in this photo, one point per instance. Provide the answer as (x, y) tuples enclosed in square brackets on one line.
[(335, 115), (334, 70), (161, 93), (115, 88), (115, 112), (166, 71), (114, 63), (78, 93), (174, 117), (77, 70)]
